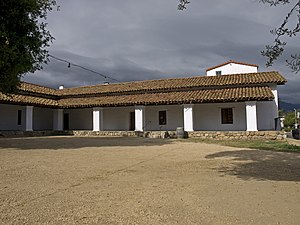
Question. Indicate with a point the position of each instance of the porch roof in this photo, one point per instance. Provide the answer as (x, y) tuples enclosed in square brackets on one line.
[(159, 98), (225, 88), (28, 100), (179, 97)]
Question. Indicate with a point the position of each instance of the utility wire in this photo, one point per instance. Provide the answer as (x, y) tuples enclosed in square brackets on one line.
[(84, 68)]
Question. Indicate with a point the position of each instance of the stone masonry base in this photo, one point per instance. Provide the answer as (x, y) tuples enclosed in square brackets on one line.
[(216, 135)]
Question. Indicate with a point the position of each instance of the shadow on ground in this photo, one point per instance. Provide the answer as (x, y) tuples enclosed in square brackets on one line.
[(71, 142), (260, 165)]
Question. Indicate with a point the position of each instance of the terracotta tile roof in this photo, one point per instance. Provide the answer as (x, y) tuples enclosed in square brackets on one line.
[(179, 97), (231, 61), (178, 83), (27, 100), (161, 84), (237, 87), (34, 88)]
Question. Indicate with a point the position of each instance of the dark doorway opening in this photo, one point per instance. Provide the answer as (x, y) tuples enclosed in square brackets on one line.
[(132, 121), (66, 121)]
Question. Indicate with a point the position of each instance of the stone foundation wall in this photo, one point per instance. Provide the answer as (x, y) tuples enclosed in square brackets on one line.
[(216, 135), (30, 133), (72, 133), (238, 135), (105, 133), (221, 135)]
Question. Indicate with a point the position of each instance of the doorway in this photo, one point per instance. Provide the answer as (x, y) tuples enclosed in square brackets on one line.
[(66, 121), (132, 121)]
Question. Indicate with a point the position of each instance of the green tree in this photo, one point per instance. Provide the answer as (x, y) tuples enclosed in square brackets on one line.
[(23, 39), (287, 29), (289, 120)]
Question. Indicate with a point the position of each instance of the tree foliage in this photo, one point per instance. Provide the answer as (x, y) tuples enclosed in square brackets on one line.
[(289, 120), (285, 30), (23, 39), (182, 4)]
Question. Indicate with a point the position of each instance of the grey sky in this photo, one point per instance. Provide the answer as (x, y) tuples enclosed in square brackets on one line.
[(138, 39)]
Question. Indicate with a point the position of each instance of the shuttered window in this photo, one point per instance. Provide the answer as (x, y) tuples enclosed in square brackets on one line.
[(227, 116), (218, 73), (162, 117)]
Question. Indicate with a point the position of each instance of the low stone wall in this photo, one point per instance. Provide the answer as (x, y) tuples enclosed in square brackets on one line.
[(238, 135), (105, 133), (71, 133), (159, 134), (221, 135), (216, 135), (30, 133)]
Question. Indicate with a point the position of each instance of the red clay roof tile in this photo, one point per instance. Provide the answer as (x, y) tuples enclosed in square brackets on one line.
[(225, 88), (178, 83), (179, 97)]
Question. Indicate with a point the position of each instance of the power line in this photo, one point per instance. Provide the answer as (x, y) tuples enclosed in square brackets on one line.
[(84, 68)]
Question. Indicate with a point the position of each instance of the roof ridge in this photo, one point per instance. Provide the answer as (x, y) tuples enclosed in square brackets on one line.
[(231, 61)]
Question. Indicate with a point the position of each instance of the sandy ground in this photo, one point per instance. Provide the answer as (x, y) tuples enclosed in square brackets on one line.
[(72, 180)]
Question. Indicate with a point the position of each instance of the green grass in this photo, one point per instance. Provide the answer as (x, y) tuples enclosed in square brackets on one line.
[(253, 144)]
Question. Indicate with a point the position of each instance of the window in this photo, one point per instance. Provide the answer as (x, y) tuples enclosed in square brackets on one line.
[(19, 117), (218, 73), (227, 116), (162, 116)]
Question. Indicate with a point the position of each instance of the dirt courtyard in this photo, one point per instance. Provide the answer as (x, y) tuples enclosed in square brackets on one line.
[(92, 180)]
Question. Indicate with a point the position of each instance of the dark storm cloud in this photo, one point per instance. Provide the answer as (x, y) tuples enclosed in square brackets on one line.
[(136, 40), (58, 73)]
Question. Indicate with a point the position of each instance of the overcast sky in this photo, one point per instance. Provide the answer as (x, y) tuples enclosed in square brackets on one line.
[(150, 39)]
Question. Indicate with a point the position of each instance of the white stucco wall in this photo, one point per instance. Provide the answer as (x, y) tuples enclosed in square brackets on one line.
[(232, 68), (174, 117), (117, 118), (42, 118), (266, 113), (9, 117), (207, 117), (80, 119)]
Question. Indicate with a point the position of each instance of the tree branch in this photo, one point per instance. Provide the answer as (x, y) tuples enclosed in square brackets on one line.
[(182, 4), (273, 52)]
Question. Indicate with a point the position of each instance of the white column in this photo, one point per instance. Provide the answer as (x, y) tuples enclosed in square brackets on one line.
[(97, 119), (188, 120), (29, 118), (251, 119), (58, 115), (275, 93), (139, 118)]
